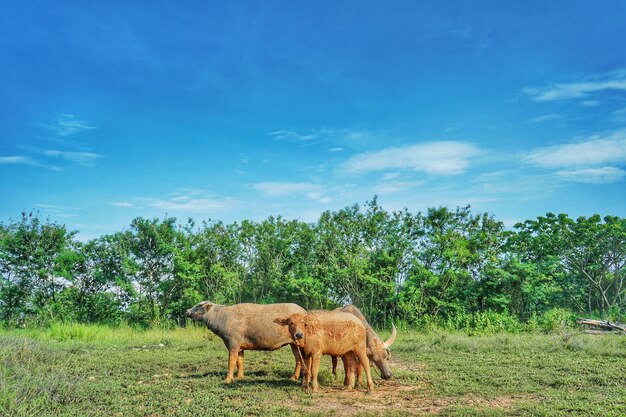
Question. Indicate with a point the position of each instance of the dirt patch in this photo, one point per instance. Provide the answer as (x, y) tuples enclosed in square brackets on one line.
[(391, 397), (385, 398)]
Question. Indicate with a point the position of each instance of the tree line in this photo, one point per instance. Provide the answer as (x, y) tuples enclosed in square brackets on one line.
[(395, 266)]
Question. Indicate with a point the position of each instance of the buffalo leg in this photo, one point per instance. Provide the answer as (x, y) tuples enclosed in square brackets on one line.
[(306, 369), (233, 356), (299, 365), (240, 365), (334, 360), (365, 363), (315, 369), (349, 365), (346, 370)]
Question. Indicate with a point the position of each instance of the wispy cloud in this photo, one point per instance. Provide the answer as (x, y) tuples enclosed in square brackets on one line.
[(594, 151), (390, 176), (187, 201), (546, 118), (336, 137), (68, 125), (603, 175), (25, 160), (14, 160), (58, 211), (441, 158), (291, 136), (187, 204), (620, 115), (396, 186), (123, 204), (283, 189), (612, 81), (81, 158), (590, 103)]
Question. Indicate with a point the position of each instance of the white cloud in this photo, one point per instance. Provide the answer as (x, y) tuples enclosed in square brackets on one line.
[(620, 115), (442, 158), (590, 103), (546, 118), (396, 186), (594, 151), (186, 204), (336, 149), (390, 176), (336, 137), (123, 204), (14, 160), (67, 125), (603, 175), (25, 160), (81, 158), (186, 201), (283, 189), (291, 136), (612, 81), (58, 211)]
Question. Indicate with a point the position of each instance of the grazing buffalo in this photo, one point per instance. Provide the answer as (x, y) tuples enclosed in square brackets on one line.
[(333, 333), (247, 327), (377, 350)]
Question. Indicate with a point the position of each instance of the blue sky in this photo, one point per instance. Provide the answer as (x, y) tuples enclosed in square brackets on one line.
[(241, 110)]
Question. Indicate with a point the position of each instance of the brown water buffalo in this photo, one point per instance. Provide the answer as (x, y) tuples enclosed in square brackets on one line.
[(377, 350), (333, 333), (247, 327)]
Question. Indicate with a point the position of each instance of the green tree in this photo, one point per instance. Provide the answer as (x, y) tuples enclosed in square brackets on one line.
[(30, 250), (457, 258), (585, 257), (152, 248), (95, 270)]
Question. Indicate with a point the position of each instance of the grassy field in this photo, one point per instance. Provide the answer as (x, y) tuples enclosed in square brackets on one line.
[(74, 370)]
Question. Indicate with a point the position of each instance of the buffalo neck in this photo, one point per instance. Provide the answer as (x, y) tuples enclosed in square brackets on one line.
[(212, 318)]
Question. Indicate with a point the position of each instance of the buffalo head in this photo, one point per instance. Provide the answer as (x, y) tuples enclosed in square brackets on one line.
[(296, 324), (199, 310)]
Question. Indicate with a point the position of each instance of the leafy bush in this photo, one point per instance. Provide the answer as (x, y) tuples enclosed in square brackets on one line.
[(554, 320)]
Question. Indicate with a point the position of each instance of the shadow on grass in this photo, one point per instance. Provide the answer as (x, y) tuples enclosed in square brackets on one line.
[(252, 378)]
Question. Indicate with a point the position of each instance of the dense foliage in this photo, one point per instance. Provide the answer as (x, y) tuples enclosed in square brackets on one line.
[(443, 266)]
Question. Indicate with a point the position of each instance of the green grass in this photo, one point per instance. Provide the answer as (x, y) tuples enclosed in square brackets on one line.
[(83, 370)]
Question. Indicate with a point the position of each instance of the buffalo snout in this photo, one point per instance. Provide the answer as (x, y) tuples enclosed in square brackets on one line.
[(188, 313), (298, 335)]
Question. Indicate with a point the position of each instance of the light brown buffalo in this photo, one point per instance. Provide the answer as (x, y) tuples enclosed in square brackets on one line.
[(377, 350), (247, 327), (333, 333)]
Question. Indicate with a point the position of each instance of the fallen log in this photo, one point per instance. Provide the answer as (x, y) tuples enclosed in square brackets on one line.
[(605, 326)]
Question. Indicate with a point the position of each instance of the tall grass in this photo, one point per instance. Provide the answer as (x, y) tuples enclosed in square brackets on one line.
[(492, 322), (30, 379), (108, 336)]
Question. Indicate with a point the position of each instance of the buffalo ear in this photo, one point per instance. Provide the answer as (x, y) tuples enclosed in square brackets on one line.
[(282, 322)]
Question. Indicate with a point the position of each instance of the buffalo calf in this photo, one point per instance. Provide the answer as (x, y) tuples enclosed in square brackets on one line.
[(333, 333)]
